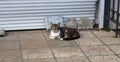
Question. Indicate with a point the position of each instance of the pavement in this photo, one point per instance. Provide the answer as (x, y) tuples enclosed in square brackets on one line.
[(35, 46)]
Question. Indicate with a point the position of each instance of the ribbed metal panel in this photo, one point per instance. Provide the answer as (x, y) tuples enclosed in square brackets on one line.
[(29, 14)]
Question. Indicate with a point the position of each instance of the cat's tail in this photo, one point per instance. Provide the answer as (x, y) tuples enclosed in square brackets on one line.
[(72, 38)]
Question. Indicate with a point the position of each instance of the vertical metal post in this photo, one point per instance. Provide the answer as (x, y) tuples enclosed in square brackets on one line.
[(107, 14), (117, 21), (113, 9)]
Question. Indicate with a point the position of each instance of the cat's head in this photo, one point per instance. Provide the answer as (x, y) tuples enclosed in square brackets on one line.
[(54, 27)]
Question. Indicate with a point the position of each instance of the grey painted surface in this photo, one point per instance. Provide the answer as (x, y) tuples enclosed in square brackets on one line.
[(29, 14)]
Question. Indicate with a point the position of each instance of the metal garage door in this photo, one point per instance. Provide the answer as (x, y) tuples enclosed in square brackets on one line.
[(29, 14)]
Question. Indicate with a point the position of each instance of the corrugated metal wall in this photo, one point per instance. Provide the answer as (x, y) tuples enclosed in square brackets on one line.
[(29, 14)]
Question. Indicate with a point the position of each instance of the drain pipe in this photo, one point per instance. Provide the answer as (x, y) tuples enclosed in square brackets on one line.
[(101, 13), (2, 32)]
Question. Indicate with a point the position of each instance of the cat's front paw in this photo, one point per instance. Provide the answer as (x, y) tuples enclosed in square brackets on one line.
[(58, 37), (61, 38), (52, 37)]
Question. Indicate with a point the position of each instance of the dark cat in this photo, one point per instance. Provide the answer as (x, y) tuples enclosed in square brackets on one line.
[(63, 33)]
